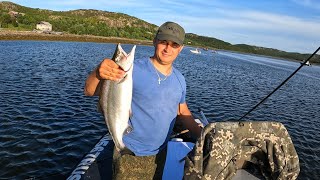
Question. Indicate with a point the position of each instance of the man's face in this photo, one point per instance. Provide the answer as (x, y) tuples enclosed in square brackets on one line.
[(167, 51)]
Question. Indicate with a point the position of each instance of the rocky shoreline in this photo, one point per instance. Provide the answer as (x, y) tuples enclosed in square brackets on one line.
[(45, 36)]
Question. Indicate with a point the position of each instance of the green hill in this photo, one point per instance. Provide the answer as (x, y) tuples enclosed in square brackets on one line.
[(93, 22), (110, 24)]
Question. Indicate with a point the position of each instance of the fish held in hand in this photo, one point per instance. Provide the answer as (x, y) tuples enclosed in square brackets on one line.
[(116, 96)]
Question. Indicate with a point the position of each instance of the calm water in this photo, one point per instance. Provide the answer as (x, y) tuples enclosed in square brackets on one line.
[(47, 124)]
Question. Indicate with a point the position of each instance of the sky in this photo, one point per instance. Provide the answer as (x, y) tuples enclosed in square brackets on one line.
[(288, 25)]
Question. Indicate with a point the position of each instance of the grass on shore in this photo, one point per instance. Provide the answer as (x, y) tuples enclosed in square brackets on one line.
[(30, 35)]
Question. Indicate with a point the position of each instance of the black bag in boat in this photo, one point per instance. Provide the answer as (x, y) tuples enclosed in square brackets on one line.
[(225, 147)]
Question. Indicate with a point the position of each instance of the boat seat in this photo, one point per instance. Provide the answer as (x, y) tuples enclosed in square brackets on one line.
[(225, 147)]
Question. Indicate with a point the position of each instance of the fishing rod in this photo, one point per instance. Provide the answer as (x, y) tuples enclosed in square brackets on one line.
[(203, 118), (302, 64)]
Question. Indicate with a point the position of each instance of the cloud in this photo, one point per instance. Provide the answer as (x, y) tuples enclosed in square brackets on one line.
[(258, 28), (237, 26), (314, 4), (261, 21)]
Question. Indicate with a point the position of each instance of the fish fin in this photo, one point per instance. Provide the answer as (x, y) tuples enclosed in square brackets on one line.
[(133, 50), (128, 130), (130, 114)]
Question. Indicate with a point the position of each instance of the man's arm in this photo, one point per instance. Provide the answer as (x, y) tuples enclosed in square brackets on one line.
[(92, 83), (185, 116)]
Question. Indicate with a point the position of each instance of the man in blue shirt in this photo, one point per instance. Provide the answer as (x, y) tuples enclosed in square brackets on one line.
[(158, 97)]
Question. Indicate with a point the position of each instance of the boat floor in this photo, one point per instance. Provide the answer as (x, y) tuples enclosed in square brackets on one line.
[(101, 167)]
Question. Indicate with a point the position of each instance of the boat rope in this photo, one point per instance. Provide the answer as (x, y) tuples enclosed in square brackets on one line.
[(263, 100)]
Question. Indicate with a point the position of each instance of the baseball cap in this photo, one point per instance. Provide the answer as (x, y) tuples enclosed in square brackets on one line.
[(171, 31)]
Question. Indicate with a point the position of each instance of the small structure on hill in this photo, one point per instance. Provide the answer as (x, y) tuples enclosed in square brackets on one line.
[(15, 14), (44, 26)]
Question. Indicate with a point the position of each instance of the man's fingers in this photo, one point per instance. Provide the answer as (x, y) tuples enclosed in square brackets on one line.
[(110, 70), (117, 71), (105, 74)]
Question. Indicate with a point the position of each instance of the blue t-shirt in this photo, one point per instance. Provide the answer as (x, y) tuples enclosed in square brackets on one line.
[(154, 107)]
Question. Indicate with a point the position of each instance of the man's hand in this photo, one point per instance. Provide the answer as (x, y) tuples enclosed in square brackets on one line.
[(108, 69)]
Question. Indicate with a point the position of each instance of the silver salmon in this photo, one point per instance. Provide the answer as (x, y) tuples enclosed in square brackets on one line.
[(116, 96)]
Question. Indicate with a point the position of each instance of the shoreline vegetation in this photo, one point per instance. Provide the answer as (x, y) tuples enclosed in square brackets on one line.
[(36, 35)]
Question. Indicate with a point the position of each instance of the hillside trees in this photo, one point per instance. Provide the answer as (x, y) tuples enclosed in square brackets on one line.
[(5, 20)]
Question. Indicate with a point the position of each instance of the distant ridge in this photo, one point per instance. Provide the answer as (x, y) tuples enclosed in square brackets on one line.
[(111, 24)]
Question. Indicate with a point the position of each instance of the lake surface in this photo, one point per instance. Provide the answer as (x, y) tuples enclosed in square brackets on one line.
[(47, 124)]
